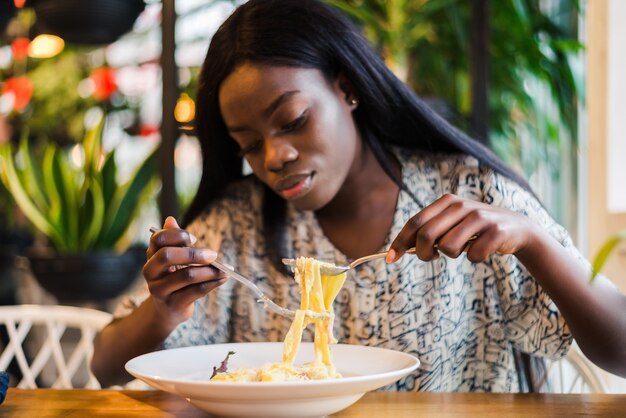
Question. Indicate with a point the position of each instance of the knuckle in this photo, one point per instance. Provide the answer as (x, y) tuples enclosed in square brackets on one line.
[(415, 221), (458, 205), (495, 229), (189, 274), (477, 215), (448, 198), (203, 287), (426, 235), (165, 255), (193, 254)]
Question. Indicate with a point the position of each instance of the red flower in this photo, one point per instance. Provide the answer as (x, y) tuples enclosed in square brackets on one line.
[(104, 83), (21, 88), (19, 48)]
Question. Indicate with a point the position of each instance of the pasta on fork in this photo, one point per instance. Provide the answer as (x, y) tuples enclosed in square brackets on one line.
[(317, 295)]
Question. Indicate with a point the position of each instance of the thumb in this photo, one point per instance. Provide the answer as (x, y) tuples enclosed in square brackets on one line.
[(170, 223)]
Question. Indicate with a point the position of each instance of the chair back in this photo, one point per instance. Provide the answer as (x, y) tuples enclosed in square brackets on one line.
[(574, 373), (49, 324)]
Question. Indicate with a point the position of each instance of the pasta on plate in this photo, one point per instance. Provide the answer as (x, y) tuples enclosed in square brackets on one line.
[(317, 295)]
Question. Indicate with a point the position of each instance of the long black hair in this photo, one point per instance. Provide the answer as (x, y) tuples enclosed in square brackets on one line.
[(311, 34)]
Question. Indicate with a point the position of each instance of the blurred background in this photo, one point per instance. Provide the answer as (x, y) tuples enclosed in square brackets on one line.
[(97, 109)]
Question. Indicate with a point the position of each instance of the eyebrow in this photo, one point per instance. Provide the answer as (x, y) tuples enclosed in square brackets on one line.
[(269, 110)]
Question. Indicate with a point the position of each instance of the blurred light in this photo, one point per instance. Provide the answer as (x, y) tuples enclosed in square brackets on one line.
[(187, 153), (185, 109), (93, 117), (22, 89), (5, 56), (105, 83), (19, 3), (7, 101), (19, 48), (76, 156), (45, 46), (86, 87)]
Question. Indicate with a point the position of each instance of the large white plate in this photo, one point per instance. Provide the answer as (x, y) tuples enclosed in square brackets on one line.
[(186, 372)]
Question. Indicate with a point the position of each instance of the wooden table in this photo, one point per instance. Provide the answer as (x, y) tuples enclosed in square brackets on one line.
[(45, 403)]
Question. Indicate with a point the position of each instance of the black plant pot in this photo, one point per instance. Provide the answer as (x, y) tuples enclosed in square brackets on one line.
[(90, 277), (87, 21)]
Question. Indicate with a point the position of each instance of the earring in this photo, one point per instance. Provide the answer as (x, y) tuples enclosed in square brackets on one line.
[(354, 102)]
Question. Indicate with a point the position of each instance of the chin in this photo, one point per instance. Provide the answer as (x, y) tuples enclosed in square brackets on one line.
[(310, 202)]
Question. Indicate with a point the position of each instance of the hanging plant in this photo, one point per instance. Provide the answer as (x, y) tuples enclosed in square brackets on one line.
[(87, 21)]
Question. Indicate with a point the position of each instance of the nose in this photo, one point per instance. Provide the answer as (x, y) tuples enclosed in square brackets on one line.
[(278, 153)]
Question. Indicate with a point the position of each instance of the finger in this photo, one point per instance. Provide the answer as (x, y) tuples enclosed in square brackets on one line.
[(406, 238), (186, 296), (164, 286), (456, 240), (428, 236), (170, 236), (489, 241), (165, 260)]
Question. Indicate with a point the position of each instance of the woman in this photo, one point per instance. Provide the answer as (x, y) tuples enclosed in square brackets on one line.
[(346, 161)]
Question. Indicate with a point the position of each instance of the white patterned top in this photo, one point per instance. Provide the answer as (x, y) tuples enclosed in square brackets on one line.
[(459, 318)]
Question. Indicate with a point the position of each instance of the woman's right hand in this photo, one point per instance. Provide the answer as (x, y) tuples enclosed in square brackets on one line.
[(173, 280)]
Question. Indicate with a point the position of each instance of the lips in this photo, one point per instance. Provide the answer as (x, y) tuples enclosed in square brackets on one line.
[(294, 185)]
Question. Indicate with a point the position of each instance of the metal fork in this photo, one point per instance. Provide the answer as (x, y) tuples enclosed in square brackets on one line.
[(330, 269), (261, 297)]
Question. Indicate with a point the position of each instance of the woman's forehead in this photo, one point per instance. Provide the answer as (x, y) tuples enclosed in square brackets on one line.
[(261, 84)]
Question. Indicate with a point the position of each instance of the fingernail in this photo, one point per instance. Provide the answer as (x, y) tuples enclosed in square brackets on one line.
[(207, 255), (391, 256), (193, 239)]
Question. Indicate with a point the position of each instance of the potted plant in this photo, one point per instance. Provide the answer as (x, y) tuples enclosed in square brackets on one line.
[(84, 213), (87, 21)]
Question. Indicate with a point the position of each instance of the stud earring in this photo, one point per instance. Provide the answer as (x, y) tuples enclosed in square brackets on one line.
[(354, 102)]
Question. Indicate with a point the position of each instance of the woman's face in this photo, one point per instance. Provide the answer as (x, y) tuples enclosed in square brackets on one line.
[(294, 128)]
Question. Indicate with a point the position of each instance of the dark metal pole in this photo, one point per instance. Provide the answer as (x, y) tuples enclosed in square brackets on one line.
[(479, 69), (169, 132)]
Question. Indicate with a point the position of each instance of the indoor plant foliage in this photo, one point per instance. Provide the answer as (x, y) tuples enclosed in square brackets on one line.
[(604, 252), (78, 208), (83, 210)]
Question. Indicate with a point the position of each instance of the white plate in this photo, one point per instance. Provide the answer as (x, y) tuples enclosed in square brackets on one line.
[(186, 372)]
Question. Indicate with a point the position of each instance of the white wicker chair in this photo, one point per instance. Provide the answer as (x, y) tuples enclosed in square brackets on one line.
[(572, 374), (50, 324)]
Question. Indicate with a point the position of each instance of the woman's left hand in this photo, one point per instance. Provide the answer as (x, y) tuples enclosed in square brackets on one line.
[(453, 225)]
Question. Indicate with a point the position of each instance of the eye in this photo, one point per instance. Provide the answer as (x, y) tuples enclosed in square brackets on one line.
[(296, 123), (251, 149)]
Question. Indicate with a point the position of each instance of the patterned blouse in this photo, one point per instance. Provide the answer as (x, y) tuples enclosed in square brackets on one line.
[(460, 319)]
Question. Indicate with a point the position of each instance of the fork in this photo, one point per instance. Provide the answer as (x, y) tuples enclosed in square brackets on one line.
[(330, 269), (261, 297)]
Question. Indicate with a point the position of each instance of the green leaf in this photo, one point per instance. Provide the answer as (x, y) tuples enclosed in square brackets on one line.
[(109, 176), (92, 147), (18, 191), (52, 185), (604, 252), (126, 200), (93, 210), (70, 180), (31, 175)]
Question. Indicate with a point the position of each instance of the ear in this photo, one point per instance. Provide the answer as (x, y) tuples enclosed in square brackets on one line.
[(347, 90)]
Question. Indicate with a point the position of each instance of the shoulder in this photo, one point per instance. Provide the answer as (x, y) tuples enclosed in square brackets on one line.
[(443, 173)]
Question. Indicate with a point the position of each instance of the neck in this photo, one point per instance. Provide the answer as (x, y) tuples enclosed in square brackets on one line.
[(367, 191)]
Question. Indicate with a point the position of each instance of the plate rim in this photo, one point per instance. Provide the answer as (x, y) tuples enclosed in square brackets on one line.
[(415, 363)]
